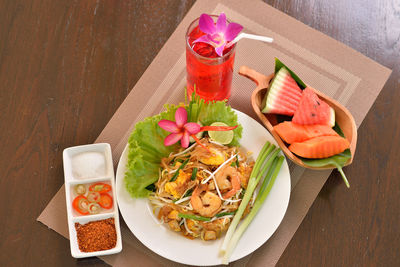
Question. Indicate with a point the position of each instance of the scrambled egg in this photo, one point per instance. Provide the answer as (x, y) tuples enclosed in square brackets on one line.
[(176, 187), (194, 226), (173, 215), (216, 159)]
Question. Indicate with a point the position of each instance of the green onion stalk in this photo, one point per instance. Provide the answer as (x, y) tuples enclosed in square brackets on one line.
[(266, 187), (260, 167), (177, 171), (194, 217)]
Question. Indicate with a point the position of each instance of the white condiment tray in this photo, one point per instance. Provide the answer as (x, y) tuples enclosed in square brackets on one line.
[(72, 179)]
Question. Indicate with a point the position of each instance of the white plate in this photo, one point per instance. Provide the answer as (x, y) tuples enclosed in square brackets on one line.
[(138, 215)]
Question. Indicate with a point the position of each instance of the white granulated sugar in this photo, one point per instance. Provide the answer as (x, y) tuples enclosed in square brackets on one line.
[(88, 165)]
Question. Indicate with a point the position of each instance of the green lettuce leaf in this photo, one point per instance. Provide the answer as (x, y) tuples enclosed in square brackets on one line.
[(221, 112), (146, 143), (146, 148)]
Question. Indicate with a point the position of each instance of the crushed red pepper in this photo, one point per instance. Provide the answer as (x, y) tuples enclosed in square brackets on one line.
[(96, 235)]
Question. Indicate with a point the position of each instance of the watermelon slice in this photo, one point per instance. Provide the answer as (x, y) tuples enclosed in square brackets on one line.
[(313, 110), (283, 96)]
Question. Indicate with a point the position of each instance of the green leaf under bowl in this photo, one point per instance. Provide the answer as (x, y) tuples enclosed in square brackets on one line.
[(337, 161)]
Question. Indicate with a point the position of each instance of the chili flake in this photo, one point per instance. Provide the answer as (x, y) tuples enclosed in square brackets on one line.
[(96, 235)]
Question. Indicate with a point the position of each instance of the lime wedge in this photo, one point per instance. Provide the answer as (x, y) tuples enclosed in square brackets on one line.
[(222, 137)]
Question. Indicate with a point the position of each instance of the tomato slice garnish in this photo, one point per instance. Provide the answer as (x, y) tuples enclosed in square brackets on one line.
[(80, 204), (100, 187), (106, 201)]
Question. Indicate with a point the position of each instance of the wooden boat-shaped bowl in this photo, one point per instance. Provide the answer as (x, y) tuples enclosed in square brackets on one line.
[(343, 117)]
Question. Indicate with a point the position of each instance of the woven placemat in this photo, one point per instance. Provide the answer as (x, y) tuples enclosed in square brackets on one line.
[(325, 64)]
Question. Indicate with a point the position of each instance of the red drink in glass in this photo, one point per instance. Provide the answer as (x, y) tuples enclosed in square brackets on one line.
[(208, 72)]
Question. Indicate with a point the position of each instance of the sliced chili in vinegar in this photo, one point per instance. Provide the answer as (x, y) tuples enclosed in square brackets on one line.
[(100, 187)]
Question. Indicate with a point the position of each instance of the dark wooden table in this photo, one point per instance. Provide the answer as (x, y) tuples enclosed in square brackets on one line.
[(66, 66)]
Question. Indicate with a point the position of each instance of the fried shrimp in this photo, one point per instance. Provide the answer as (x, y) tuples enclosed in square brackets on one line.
[(224, 183), (206, 205)]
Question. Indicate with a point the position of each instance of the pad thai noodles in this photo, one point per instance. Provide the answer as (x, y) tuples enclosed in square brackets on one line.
[(200, 188)]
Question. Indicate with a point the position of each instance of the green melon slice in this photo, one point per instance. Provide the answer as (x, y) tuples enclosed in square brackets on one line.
[(283, 95), (313, 110)]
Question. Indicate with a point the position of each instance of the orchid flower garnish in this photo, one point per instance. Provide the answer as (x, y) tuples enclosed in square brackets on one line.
[(181, 130), (217, 34)]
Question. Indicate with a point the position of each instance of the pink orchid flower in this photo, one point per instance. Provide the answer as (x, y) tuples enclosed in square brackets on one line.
[(217, 34), (182, 130)]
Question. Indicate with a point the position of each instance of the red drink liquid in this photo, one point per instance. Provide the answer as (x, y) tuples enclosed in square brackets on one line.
[(210, 73)]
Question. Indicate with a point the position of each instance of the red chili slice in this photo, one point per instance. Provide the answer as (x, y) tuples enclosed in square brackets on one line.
[(217, 128), (199, 143), (100, 187), (106, 201), (80, 204)]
